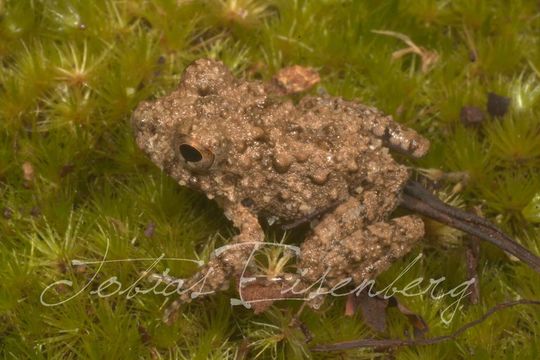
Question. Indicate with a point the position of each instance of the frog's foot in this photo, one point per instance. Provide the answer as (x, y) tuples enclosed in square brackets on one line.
[(171, 312), (170, 283), (186, 290), (213, 277)]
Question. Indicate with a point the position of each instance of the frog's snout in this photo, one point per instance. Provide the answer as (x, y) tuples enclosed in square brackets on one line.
[(140, 118)]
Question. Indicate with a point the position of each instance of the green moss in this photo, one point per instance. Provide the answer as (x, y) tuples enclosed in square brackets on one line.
[(71, 72)]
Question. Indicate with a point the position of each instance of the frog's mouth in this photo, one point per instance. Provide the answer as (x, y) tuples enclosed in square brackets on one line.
[(416, 198)]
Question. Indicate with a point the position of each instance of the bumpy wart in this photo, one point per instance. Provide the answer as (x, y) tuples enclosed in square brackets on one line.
[(259, 154)]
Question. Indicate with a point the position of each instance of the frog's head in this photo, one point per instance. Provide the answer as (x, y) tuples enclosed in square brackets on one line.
[(187, 133)]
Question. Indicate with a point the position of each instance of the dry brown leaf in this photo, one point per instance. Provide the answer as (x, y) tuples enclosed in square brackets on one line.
[(261, 294), (28, 173), (428, 57), (374, 308), (393, 343), (296, 79), (150, 230), (419, 324), (66, 170)]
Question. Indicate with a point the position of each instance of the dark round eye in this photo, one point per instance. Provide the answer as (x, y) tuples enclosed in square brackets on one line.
[(196, 156), (189, 153)]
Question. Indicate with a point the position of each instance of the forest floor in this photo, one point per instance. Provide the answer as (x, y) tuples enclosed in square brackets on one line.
[(74, 187)]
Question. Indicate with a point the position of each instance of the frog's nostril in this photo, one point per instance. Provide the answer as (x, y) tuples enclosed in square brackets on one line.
[(203, 91), (189, 153)]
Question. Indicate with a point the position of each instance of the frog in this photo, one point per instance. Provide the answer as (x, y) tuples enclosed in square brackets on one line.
[(260, 154)]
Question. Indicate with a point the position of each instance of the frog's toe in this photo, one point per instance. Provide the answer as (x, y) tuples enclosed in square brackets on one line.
[(171, 312)]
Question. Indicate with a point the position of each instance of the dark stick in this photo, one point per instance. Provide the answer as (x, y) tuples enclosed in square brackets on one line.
[(417, 191), (421, 201), (472, 253), (378, 343)]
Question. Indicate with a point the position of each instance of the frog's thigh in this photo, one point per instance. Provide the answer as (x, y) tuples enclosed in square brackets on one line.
[(362, 254), (375, 249), (334, 226), (385, 182)]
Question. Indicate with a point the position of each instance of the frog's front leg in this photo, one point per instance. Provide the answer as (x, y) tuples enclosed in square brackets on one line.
[(227, 262)]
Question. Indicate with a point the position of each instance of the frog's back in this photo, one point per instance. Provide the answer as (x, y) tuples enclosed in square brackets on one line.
[(317, 154)]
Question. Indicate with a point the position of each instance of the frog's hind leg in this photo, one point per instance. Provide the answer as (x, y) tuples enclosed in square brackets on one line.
[(371, 203), (326, 236), (376, 248), (333, 256), (361, 255)]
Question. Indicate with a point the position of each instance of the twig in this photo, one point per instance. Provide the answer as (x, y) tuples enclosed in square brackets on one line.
[(382, 343), (472, 253), (296, 322), (429, 58), (421, 201)]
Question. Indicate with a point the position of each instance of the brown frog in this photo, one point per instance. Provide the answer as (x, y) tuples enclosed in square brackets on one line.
[(259, 154)]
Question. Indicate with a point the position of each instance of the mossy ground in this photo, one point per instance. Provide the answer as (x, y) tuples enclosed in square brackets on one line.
[(72, 71)]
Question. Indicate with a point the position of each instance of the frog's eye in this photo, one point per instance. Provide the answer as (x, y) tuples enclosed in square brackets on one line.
[(196, 156), (189, 153)]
